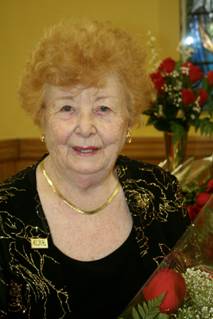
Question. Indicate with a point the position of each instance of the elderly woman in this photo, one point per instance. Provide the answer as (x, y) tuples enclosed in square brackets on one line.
[(82, 229)]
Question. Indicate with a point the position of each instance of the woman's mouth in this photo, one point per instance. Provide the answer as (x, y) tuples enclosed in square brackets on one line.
[(85, 150)]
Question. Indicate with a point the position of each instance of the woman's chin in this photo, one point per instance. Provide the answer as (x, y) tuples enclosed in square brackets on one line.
[(86, 170), (86, 165)]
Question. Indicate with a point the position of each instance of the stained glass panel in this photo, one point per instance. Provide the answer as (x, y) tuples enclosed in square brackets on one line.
[(197, 31)]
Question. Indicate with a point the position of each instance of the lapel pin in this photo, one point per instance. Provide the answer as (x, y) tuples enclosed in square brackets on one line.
[(39, 243)]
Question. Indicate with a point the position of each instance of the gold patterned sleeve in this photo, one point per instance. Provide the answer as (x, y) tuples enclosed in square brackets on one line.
[(178, 219), (155, 200)]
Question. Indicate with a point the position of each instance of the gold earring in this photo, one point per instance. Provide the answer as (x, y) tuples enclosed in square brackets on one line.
[(128, 137), (43, 138)]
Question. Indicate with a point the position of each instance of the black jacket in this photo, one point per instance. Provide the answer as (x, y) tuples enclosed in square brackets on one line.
[(31, 280)]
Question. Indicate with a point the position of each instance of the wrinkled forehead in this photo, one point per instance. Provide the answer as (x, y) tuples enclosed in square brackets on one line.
[(107, 86)]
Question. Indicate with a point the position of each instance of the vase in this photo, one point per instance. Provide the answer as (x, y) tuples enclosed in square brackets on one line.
[(175, 150)]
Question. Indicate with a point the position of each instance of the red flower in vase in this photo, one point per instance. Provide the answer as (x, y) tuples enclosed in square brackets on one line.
[(188, 96), (210, 77), (182, 98), (157, 80), (170, 283), (203, 96), (167, 65), (195, 73)]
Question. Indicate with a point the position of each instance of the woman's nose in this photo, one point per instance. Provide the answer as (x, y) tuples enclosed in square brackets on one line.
[(85, 125)]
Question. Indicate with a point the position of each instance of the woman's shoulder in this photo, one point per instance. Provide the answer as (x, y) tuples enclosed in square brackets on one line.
[(142, 177), (17, 186), (131, 168)]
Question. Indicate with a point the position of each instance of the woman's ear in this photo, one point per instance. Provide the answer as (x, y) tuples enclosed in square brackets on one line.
[(40, 117)]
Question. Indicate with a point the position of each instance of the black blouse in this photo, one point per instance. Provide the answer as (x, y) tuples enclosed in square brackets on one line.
[(44, 283), (104, 286)]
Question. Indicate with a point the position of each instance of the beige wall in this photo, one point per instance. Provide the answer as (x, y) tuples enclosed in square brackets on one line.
[(22, 23)]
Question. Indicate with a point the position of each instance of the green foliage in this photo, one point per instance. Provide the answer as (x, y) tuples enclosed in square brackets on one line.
[(204, 125), (147, 310)]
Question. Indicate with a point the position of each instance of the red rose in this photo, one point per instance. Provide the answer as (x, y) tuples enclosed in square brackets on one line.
[(210, 186), (195, 73), (158, 80), (210, 77), (193, 210), (170, 283), (203, 95), (188, 96), (202, 198), (167, 65)]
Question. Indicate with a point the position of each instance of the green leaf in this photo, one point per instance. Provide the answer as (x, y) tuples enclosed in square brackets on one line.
[(148, 310), (205, 126), (141, 310), (135, 314)]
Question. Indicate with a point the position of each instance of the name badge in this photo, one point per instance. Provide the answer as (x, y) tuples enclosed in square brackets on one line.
[(39, 243)]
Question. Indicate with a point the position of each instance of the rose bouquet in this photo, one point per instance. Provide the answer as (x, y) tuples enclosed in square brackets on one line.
[(183, 98), (197, 196), (196, 179), (182, 285)]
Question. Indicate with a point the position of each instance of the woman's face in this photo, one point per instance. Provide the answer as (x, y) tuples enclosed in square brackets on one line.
[(85, 127)]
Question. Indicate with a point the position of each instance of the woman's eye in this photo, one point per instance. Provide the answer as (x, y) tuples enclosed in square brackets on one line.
[(103, 109), (67, 108)]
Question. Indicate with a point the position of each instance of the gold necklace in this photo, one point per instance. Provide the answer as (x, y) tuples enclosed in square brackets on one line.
[(73, 206)]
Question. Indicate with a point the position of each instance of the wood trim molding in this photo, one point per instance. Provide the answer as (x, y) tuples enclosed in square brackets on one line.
[(141, 148), (152, 149), (18, 153)]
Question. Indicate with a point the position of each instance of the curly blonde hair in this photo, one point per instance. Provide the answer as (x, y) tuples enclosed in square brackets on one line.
[(84, 53)]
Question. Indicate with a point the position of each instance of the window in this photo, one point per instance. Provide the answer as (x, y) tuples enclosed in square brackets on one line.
[(197, 31)]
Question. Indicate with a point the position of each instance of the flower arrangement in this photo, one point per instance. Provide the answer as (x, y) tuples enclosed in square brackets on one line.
[(183, 98), (196, 196), (196, 179), (182, 285)]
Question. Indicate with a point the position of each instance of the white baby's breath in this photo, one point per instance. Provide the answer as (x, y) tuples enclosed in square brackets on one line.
[(198, 304)]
